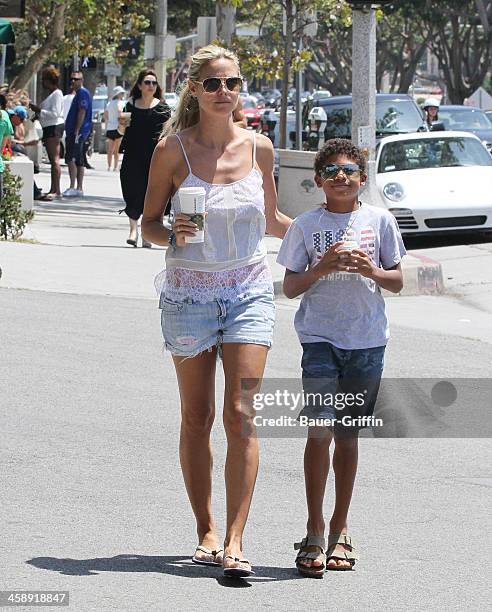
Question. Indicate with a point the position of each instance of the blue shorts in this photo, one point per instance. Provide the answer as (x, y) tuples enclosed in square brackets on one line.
[(74, 151), (190, 327), (340, 385)]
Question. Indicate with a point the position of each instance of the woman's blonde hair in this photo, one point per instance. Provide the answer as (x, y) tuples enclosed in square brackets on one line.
[(187, 111)]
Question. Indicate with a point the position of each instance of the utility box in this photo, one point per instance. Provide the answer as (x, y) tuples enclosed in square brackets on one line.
[(297, 191), (22, 166)]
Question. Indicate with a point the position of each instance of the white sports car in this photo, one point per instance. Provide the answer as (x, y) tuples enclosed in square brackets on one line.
[(436, 182)]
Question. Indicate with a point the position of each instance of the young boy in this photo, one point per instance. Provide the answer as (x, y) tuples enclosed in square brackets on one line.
[(339, 256)]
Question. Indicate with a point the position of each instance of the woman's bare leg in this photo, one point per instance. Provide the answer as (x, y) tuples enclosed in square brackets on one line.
[(53, 150), (116, 153), (196, 380), (241, 361), (109, 151)]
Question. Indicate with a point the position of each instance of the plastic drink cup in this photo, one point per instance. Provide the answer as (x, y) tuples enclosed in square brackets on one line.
[(192, 203), (348, 245), (126, 118)]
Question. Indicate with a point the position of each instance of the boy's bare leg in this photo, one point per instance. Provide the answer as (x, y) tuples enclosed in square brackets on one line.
[(316, 468), (345, 458)]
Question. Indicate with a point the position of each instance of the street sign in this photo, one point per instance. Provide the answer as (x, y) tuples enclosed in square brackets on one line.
[(206, 30), (112, 70), (169, 51), (13, 10), (149, 46)]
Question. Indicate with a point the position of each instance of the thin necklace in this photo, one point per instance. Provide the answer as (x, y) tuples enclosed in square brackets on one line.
[(352, 219)]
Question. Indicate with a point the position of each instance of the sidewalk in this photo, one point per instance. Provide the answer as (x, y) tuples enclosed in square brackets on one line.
[(79, 246)]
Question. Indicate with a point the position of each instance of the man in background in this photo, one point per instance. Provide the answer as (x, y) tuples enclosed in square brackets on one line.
[(78, 125)]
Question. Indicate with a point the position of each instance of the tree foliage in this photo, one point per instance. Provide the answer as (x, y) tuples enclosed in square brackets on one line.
[(54, 29)]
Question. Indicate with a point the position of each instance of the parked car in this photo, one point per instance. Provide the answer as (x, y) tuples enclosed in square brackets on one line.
[(272, 97), (171, 99), (252, 113), (320, 94), (467, 119), (395, 114), (436, 182)]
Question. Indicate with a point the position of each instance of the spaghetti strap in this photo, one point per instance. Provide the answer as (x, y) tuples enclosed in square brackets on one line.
[(184, 153), (254, 149)]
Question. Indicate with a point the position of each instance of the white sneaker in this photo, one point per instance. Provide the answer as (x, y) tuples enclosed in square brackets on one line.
[(71, 193), (79, 193)]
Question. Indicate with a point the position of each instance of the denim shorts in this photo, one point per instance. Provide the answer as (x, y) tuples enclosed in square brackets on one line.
[(190, 327), (340, 385)]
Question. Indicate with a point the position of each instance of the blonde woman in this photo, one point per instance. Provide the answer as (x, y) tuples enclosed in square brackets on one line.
[(218, 295)]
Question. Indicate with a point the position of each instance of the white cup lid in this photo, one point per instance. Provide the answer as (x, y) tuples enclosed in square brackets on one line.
[(192, 190)]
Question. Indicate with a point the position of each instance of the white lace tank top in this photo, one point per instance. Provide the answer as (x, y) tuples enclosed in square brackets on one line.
[(232, 259)]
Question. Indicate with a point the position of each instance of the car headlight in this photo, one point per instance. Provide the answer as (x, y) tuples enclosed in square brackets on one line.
[(394, 192)]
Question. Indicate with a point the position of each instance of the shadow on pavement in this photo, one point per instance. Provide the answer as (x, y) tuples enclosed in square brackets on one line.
[(173, 565)]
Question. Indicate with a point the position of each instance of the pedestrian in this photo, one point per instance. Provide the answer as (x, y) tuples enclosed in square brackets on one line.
[(112, 115), (431, 109), (218, 294), (5, 132), (148, 114), (339, 255), (50, 114), (4, 114), (18, 114), (78, 126)]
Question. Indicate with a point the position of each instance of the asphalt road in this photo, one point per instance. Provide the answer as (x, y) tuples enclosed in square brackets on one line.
[(93, 500)]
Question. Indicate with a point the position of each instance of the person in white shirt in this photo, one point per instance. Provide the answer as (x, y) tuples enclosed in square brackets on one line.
[(50, 113), (111, 117)]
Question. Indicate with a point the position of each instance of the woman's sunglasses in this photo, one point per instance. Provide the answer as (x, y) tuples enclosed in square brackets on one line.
[(150, 82), (213, 83), (330, 172)]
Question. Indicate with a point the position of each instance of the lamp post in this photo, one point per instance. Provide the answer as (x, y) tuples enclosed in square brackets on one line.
[(364, 83)]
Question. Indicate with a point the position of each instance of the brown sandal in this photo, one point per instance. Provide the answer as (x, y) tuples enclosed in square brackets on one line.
[(350, 556), (313, 571)]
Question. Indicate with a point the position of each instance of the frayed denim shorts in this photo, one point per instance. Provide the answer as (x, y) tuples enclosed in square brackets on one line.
[(190, 327), (340, 385)]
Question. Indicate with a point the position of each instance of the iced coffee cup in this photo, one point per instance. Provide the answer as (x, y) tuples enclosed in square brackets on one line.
[(348, 246), (192, 203), (126, 118)]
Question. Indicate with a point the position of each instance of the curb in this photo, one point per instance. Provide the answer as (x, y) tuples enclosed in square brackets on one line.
[(421, 276)]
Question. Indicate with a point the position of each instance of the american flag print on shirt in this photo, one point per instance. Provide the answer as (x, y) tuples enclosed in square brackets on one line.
[(322, 241), (366, 239)]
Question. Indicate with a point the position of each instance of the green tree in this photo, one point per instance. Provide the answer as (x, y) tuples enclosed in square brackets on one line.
[(54, 29), (462, 43)]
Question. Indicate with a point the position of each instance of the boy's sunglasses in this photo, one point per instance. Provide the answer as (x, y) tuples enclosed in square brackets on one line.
[(150, 82), (213, 83), (75, 78), (330, 172)]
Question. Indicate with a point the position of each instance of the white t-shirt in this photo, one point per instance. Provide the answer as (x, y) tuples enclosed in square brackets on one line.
[(113, 108), (343, 308), (52, 109)]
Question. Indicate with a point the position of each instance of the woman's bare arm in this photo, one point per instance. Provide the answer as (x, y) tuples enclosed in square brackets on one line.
[(160, 187), (277, 222)]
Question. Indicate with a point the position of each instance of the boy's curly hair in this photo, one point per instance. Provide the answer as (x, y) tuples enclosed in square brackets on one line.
[(339, 146)]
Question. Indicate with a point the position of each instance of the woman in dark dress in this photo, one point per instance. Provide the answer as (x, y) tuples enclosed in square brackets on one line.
[(148, 114)]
